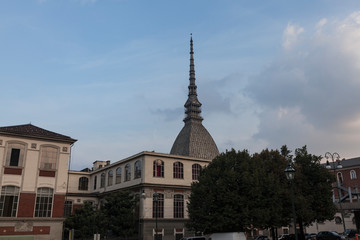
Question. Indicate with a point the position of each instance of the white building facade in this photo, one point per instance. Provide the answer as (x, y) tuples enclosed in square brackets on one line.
[(146, 173), (33, 180)]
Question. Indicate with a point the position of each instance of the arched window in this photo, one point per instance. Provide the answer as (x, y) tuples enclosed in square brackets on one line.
[(158, 205), (352, 174), (158, 168), (178, 206), (95, 182), (44, 199), (102, 180), (137, 169), (9, 201), (178, 170), (127, 172), (340, 178), (110, 177), (15, 154), (118, 175), (338, 220), (196, 168), (48, 157), (83, 183)]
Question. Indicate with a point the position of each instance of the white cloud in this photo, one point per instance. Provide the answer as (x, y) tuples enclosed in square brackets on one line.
[(310, 95), (290, 35), (321, 23)]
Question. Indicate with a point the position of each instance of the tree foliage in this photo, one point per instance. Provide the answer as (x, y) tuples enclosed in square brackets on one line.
[(119, 209), (116, 217), (86, 221), (313, 190), (239, 191)]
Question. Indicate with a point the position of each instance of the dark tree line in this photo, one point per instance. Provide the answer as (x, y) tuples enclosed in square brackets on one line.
[(238, 192), (116, 217)]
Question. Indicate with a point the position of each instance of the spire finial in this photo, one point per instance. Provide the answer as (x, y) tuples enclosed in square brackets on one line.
[(192, 105)]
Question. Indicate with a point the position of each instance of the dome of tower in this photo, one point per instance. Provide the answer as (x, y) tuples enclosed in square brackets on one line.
[(195, 141)]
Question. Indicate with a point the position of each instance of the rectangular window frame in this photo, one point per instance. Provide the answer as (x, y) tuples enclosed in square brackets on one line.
[(48, 157), (44, 202)]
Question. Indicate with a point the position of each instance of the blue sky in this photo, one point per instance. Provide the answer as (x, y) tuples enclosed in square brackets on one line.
[(114, 73)]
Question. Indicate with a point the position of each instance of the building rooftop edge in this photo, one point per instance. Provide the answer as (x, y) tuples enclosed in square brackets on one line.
[(144, 153)]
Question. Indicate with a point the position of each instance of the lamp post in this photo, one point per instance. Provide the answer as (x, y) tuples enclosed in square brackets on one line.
[(156, 199), (290, 174), (336, 156)]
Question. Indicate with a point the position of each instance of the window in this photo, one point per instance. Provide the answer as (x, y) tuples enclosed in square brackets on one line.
[(158, 206), (338, 220), (158, 168), (118, 175), (9, 201), (127, 172), (137, 172), (196, 168), (178, 206), (110, 177), (67, 208), (95, 182), (102, 180), (44, 200), (83, 183), (340, 178), (15, 154), (352, 174), (48, 158), (178, 170)]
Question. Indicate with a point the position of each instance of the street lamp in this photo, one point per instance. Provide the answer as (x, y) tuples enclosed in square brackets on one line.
[(332, 156), (156, 199), (290, 174)]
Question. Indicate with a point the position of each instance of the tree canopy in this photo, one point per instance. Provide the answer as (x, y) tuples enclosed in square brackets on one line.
[(238, 191), (117, 217), (119, 209)]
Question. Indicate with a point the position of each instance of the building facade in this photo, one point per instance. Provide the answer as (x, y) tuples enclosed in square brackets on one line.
[(345, 196), (146, 173), (33, 180)]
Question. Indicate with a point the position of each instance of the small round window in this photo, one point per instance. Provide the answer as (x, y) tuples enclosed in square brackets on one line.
[(338, 220)]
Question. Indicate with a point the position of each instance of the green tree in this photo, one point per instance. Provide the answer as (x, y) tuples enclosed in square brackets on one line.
[(237, 191), (215, 203), (272, 206), (313, 190), (116, 216), (86, 221), (119, 210)]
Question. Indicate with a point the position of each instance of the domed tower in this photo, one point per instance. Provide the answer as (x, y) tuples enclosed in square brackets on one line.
[(194, 140)]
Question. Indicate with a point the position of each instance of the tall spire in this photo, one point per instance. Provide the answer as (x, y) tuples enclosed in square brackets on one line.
[(194, 140), (192, 105)]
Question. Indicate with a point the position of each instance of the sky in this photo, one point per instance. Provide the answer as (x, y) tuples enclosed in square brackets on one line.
[(113, 74)]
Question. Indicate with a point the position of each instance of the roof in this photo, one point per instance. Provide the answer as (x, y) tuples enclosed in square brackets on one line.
[(195, 141), (351, 162), (31, 131)]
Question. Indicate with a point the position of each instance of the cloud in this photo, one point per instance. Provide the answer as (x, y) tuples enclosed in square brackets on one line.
[(313, 88), (170, 114), (290, 35), (321, 23)]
